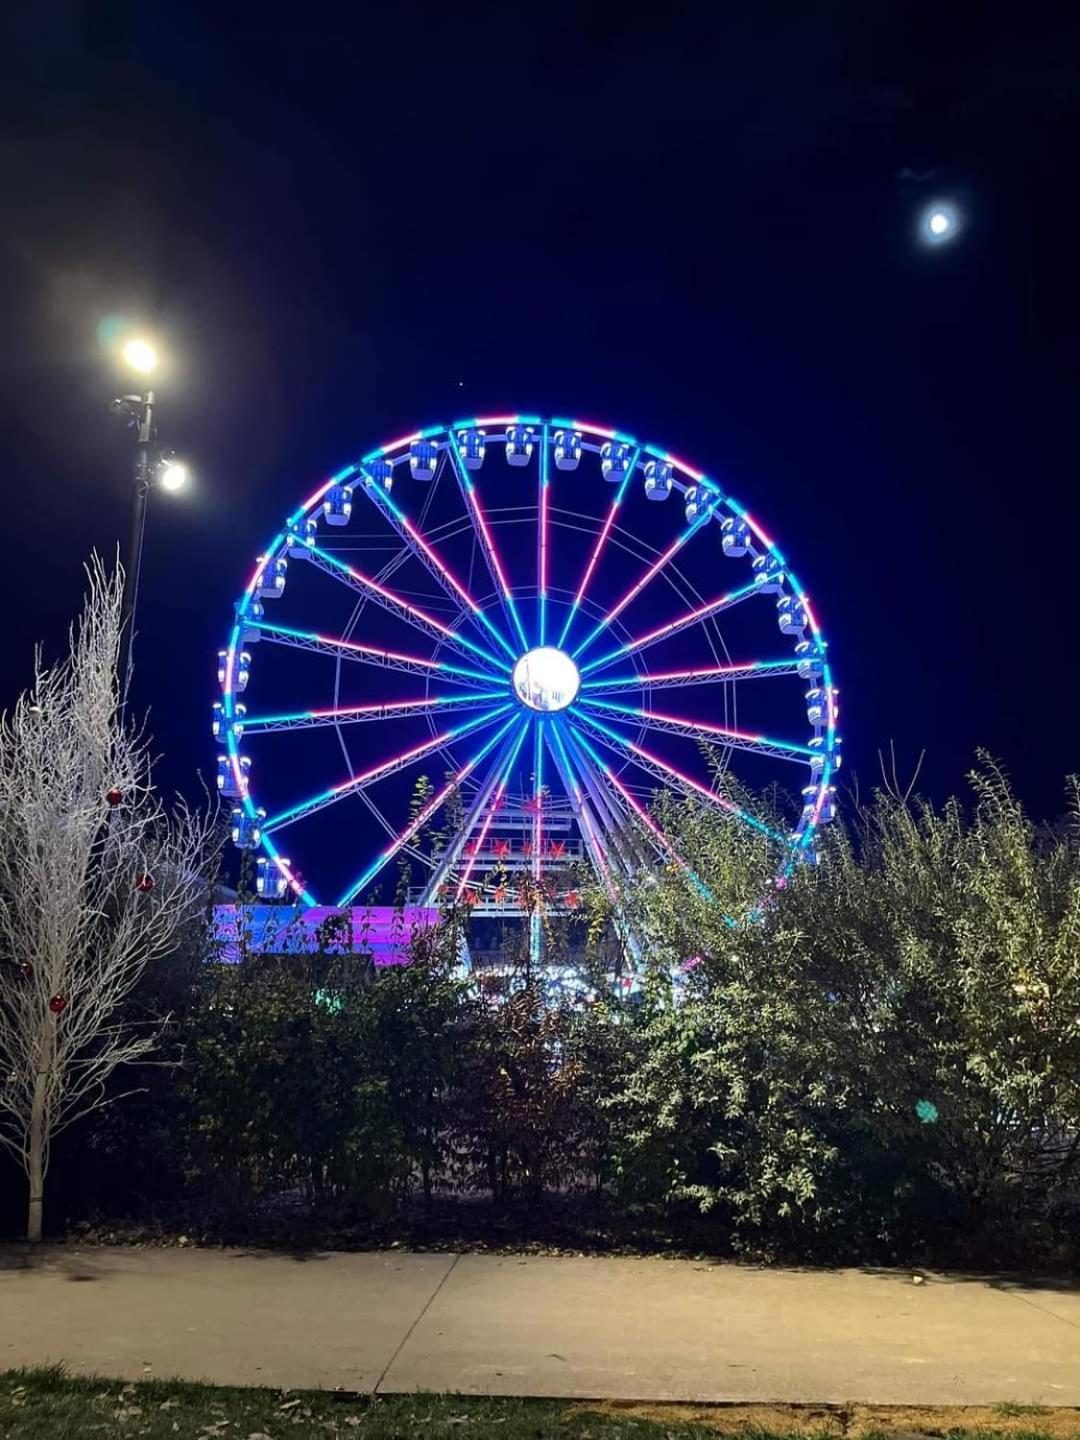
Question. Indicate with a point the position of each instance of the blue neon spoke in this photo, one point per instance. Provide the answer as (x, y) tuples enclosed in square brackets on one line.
[(366, 654), (405, 836), (357, 714), (323, 798), (411, 614), (579, 738), (682, 622), (717, 734), (688, 783)]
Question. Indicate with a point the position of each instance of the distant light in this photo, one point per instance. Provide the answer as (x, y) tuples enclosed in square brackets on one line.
[(940, 223), (174, 477), (140, 355), (546, 679)]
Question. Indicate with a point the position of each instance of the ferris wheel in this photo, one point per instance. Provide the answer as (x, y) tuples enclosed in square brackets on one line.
[(471, 657)]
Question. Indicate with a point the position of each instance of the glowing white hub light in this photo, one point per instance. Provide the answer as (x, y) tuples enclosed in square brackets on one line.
[(546, 679)]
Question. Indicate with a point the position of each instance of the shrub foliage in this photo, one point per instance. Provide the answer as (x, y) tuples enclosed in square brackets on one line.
[(879, 1061)]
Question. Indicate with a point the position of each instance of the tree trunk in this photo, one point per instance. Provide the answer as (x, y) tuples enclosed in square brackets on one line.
[(35, 1168)]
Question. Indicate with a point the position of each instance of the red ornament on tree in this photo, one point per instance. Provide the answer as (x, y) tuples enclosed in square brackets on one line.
[(24, 970), (115, 795), (573, 900), (144, 883), (58, 1003)]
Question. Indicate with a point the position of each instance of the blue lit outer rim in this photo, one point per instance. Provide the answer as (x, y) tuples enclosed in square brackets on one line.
[(593, 437)]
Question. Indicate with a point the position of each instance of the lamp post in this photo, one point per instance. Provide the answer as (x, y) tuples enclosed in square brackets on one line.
[(139, 411)]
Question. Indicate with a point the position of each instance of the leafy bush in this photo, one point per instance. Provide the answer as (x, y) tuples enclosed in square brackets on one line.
[(887, 1055), (881, 1063)]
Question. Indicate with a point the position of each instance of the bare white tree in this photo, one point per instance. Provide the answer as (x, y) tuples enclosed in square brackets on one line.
[(97, 881)]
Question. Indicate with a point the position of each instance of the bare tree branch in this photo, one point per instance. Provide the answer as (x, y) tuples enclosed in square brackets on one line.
[(97, 882)]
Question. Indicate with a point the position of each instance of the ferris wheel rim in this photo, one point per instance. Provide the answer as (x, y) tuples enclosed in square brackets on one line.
[(487, 661)]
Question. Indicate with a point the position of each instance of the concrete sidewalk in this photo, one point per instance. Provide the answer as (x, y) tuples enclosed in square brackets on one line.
[(648, 1329)]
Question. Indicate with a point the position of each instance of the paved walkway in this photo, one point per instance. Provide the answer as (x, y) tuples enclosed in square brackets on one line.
[(648, 1329)]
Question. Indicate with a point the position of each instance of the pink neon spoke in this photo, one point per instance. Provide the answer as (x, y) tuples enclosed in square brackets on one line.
[(692, 727), (400, 603), (663, 632), (538, 824), (385, 767), (493, 805), (491, 554), (613, 510), (687, 780), (639, 585), (431, 702), (595, 556), (444, 570), (542, 555)]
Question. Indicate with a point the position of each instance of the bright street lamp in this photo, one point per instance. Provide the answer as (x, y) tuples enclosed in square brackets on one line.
[(139, 412), (140, 355), (172, 475)]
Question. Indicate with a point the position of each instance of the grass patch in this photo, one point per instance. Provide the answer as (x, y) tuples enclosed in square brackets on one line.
[(48, 1404)]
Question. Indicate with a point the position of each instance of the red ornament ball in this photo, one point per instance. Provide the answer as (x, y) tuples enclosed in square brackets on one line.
[(58, 1003), (115, 795), (144, 884)]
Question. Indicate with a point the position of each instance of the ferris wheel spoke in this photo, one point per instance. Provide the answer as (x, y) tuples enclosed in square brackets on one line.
[(663, 844), (601, 541), (674, 627), (356, 714), (405, 836), (536, 925), (402, 608), (669, 775), (482, 810), (590, 828), (703, 730), (434, 565), (712, 674), (640, 584), (542, 546), (340, 649), (487, 542), (614, 827), (354, 783)]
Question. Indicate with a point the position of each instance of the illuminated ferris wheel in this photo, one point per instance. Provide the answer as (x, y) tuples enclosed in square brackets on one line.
[(541, 622)]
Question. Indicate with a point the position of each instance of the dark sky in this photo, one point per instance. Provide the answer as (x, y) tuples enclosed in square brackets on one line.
[(696, 222)]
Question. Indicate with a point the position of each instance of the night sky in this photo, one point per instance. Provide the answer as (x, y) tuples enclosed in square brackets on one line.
[(696, 223)]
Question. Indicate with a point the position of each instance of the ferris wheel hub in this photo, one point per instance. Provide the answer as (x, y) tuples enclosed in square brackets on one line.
[(546, 679)]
